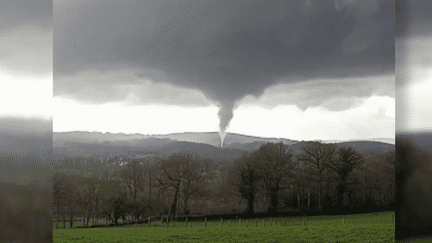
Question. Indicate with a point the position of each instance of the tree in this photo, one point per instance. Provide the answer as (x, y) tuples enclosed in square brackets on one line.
[(247, 175), (346, 161), (173, 172), (84, 199), (317, 155), (71, 194), (133, 178), (112, 200), (276, 166), (303, 184), (196, 180), (59, 180)]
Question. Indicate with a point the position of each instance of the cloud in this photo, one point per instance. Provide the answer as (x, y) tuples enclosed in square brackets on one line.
[(334, 95), (26, 36), (123, 86), (25, 14), (225, 49), (413, 18)]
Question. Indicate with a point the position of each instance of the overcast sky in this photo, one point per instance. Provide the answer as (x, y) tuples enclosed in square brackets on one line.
[(26, 59), (26, 66), (295, 69), (414, 70)]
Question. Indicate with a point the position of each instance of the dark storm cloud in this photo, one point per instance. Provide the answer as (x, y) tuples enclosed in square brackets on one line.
[(413, 18), (226, 49), (26, 37), (25, 14), (335, 95)]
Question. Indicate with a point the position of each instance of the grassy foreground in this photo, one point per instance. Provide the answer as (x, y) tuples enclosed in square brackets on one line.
[(349, 228)]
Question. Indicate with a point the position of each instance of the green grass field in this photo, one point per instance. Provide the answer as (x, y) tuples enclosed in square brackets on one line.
[(349, 228)]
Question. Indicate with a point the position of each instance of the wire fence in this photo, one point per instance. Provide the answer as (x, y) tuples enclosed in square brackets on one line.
[(266, 222)]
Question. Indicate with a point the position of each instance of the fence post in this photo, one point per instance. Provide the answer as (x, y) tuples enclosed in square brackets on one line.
[(148, 221), (239, 222), (205, 222), (220, 223), (228, 224)]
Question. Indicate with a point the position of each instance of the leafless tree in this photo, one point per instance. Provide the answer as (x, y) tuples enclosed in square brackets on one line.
[(318, 156), (344, 163), (277, 170), (246, 176)]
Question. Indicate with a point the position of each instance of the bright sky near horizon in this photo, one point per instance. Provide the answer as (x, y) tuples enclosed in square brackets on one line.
[(372, 117), (26, 97)]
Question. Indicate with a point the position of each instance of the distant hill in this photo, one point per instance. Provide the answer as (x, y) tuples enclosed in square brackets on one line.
[(361, 146), (213, 138), (99, 144)]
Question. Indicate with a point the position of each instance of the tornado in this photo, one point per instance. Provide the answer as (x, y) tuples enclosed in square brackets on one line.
[(226, 113)]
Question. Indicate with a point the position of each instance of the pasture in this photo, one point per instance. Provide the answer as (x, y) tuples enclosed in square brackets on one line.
[(372, 227)]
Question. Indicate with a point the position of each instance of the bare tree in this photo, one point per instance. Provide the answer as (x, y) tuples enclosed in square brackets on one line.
[(112, 199), (59, 181), (196, 180), (346, 161), (174, 171), (71, 197), (246, 175), (133, 178), (303, 184), (84, 199), (276, 166), (317, 155)]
